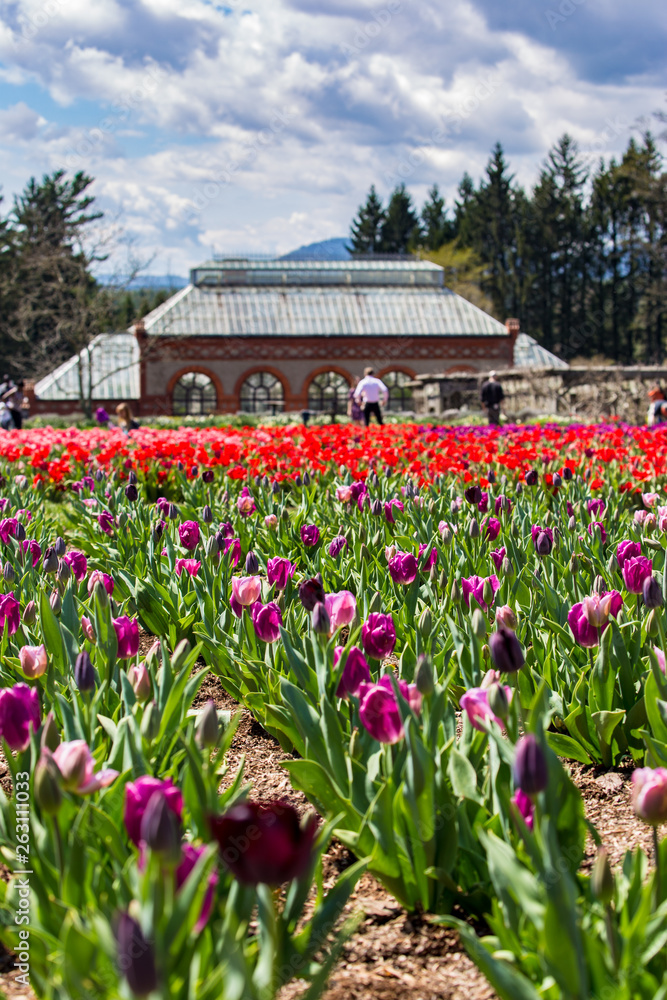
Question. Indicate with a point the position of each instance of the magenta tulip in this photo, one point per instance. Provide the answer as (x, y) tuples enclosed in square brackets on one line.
[(403, 568), (264, 842), (310, 535), (498, 555), (137, 796), (491, 526), (378, 635), (337, 545), (279, 572), (475, 703), (627, 550), (19, 710), (267, 619), (379, 712), (106, 522), (355, 672), (97, 576), (127, 634), (189, 857), (10, 613), (78, 563), (189, 534), (473, 586), (525, 805), (589, 618), (189, 566), (34, 548), (388, 509), (597, 526), (635, 570)]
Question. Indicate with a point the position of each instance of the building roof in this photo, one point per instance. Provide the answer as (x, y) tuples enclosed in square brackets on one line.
[(115, 371), (373, 297), (529, 354)]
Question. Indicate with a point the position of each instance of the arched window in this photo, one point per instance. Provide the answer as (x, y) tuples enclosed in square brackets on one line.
[(194, 395), (262, 392), (328, 392), (400, 397)]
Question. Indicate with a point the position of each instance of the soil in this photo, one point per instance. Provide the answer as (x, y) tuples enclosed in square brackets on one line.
[(392, 956)]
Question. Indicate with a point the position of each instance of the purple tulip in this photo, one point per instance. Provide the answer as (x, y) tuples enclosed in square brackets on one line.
[(475, 703), (267, 619), (355, 672), (97, 576), (32, 546), (310, 535), (163, 505), (627, 550), (491, 526), (336, 545), (543, 539), (10, 613), (378, 635), (278, 572), (498, 555), (379, 713), (78, 563), (137, 796), (635, 570), (403, 568), (127, 634), (589, 618), (311, 592), (483, 504), (506, 652), (8, 528), (530, 769), (264, 842), (600, 526), (189, 857), (502, 504), (473, 586), (231, 547), (473, 494), (189, 534), (595, 507), (101, 415), (431, 559), (136, 958), (525, 805), (388, 509), (531, 478), (19, 709)]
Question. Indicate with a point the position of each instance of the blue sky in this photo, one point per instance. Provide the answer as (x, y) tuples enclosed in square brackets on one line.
[(261, 125)]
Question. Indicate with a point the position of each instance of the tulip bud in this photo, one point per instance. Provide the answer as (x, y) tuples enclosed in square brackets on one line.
[(59, 547), (574, 563), (136, 958), (30, 613), (478, 623), (567, 474), (50, 560), (530, 766), (602, 878), (50, 738), (321, 619), (652, 593), (355, 745), (207, 514), (543, 544), (173, 512), (376, 508), (20, 532), (150, 722), (212, 548), (506, 567), (491, 476), (446, 536), (122, 520), (298, 481), (425, 623), (46, 785), (599, 585), (64, 573), (453, 507), (497, 700), (455, 593), (424, 676), (55, 602), (487, 592), (506, 618), (132, 477), (84, 673), (506, 651), (251, 564), (208, 727), (8, 572), (519, 489), (473, 528), (531, 478), (180, 655), (131, 492), (557, 480), (652, 623), (101, 595), (160, 829), (306, 478), (486, 652), (473, 494)]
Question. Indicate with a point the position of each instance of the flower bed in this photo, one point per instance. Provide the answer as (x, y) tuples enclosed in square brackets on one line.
[(431, 623)]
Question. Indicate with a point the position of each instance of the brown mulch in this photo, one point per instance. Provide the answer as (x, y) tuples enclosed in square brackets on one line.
[(392, 956)]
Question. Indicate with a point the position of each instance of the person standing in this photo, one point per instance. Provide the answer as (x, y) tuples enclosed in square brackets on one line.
[(371, 390), (16, 403), (657, 411), (492, 396), (354, 411), (126, 420)]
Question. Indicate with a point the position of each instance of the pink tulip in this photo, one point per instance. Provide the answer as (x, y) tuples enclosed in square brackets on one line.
[(344, 494), (378, 708), (33, 660), (475, 703), (650, 499), (19, 710), (246, 589), (127, 634), (137, 796), (77, 766), (189, 857), (87, 629), (649, 794), (506, 618), (341, 607), (245, 505), (355, 672), (189, 566), (266, 619), (473, 586), (271, 522), (97, 576), (140, 679)]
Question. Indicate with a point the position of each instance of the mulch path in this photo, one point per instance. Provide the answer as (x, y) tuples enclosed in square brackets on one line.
[(392, 956)]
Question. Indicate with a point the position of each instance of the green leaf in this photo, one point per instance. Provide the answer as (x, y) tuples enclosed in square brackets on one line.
[(565, 746), (508, 983), (463, 777)]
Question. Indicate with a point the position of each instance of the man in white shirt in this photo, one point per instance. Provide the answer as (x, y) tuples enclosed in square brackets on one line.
[(372, 390)]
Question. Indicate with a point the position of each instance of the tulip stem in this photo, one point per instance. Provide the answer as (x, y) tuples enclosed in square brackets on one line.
[(611, 936), (60, 855), (658, 873), (663, 638)]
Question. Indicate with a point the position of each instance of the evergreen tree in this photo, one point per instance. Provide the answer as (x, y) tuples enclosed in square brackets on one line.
[(366, 229), (400, 228), (436, 227)]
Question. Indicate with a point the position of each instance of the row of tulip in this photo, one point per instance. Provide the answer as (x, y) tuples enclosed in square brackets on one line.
[(355, 619)]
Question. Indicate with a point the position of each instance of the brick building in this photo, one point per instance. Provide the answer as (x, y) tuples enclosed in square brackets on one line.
[(263, 336)]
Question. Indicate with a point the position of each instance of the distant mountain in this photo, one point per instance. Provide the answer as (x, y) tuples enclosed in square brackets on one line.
[(145, 281), (334, 249)]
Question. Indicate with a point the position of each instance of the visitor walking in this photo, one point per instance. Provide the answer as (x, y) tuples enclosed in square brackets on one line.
[(371, 390), (5, 385), (354, 411), (492, 396), (657, 410), (16, 403)]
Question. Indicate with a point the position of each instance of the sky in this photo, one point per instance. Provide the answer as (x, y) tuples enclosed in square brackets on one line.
[(259, 125)]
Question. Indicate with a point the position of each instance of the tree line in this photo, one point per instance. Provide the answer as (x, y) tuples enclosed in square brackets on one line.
[(581, 259), (51, 306)]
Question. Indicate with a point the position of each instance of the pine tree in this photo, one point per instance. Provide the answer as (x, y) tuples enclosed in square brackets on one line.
[(400, 229), (436, 227), (366, 229)]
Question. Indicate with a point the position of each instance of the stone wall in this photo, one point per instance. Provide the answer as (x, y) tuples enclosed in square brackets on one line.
[(588, 394)]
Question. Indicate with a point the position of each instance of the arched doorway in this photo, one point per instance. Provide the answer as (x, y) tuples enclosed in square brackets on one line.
[(328, 392), (262, 392), (400, 397), (194, 395)]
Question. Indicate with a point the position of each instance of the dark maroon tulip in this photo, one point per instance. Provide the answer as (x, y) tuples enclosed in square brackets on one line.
[(264, 842), (567, 474), (251, 564), (160, 828), (652, 593), (311, 592), (506, 651), (473, 494), (208, 475), (135, 956), (321, 619), (531, 478), (131, 492), (530, 766)]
